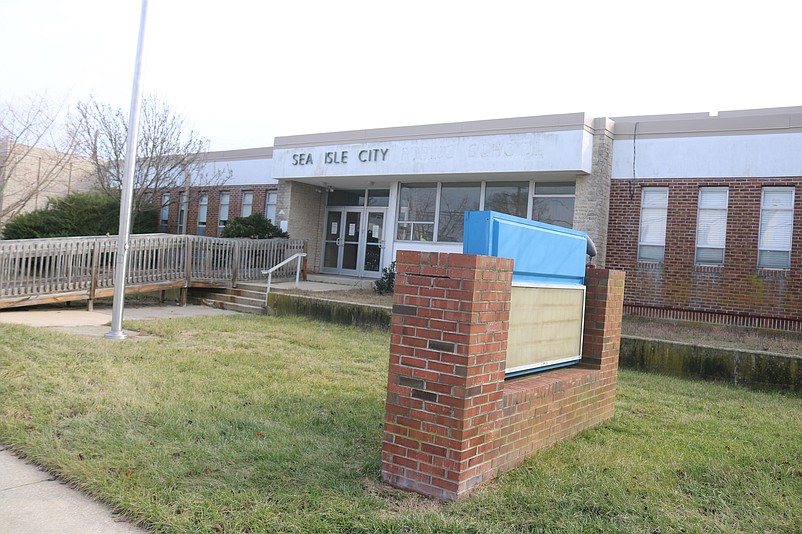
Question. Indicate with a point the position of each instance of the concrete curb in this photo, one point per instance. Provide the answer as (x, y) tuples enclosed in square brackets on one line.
[(754, 369)]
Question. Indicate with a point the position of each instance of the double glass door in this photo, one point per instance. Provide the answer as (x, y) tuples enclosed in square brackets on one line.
[(353, 241)]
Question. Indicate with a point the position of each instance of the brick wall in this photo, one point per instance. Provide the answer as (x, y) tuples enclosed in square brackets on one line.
[(451, 420), (213, 208), (735, 293)]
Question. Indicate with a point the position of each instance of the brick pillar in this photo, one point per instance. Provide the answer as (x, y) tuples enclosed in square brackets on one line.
[(604, 305), (446, 377)]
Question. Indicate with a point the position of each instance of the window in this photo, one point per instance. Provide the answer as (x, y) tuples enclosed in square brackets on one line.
[(203, 208), (270, 206), (164, 218), (711, 225), (182, 211), (776, 227), (511, 198), (455, 200), (653, 214), (417, 205), (247, 203), (222, 218), (554, 203)]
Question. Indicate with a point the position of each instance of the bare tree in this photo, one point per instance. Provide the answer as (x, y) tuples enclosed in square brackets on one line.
[(169, 153), (36, 155)]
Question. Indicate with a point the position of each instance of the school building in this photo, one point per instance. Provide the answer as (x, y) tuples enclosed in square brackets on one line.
[(700, 210)]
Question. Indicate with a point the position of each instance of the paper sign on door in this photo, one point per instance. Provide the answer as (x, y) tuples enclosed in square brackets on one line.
[(352, 229), (334, 228)]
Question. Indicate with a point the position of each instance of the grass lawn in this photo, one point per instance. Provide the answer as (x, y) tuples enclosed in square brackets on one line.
[(245, 423)]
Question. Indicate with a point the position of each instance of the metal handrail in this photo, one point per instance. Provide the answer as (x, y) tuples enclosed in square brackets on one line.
[(269, 272)]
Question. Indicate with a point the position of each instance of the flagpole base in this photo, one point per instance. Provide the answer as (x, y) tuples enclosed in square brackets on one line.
[(116, 334)]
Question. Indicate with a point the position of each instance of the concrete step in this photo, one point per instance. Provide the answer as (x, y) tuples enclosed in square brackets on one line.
[(252, 287), (229, 297), (233, 306), (258, 293), (355, 283)]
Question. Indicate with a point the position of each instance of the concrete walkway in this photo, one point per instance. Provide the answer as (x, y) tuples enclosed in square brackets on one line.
[(33, 502), (97, 323)]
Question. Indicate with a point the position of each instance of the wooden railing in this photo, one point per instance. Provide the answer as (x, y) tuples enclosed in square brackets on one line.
[(39, 271)]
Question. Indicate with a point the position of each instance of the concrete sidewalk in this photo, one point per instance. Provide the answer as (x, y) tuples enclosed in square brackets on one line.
[(97, 323), (33, 502)]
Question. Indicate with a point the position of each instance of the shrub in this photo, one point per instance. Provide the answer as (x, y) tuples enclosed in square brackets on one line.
[(385, 284), (78, 214), (254, 226)]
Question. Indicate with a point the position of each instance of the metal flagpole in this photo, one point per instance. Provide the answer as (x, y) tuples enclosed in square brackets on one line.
[(127, 192)]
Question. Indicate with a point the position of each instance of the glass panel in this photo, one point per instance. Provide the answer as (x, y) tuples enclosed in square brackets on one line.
[(507, 197), (333, 225), (165, 213), (352, 219), (711, 228), (653, 215), (247, 203), (776, 229), (555, 188), (417, 202), (225, 199), (554, 210), (375, 234), (455, 200), (270, 206), (713, 197), (778, 197), (773, 259), (350, 252), (330, 255), (655, 197), (203, 208), (346, 197), (375, 227), (379, 198), (710, 256), (416, 205), (650, 253), (415, 231)]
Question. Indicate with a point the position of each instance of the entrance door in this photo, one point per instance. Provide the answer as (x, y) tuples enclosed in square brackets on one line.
[(342, 241), (353, 243), (374, 242)]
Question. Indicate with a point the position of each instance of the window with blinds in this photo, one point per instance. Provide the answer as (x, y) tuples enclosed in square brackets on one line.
[(203, 209), (247, 203), (776, 228), (222, 215), (711, 225), (653, 214)]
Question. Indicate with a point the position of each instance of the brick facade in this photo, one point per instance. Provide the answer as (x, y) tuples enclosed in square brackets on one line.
[(736, 293), (213, 208), (451, 420)]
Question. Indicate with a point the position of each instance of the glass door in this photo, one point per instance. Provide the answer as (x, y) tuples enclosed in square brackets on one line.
[(342, 241), (332, 241), (349, 264), (374, 242)]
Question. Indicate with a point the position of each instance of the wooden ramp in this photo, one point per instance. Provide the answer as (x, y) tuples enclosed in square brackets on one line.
[(46, 271)]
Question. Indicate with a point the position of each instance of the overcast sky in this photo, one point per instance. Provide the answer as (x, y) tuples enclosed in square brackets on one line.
[(245, 71)]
